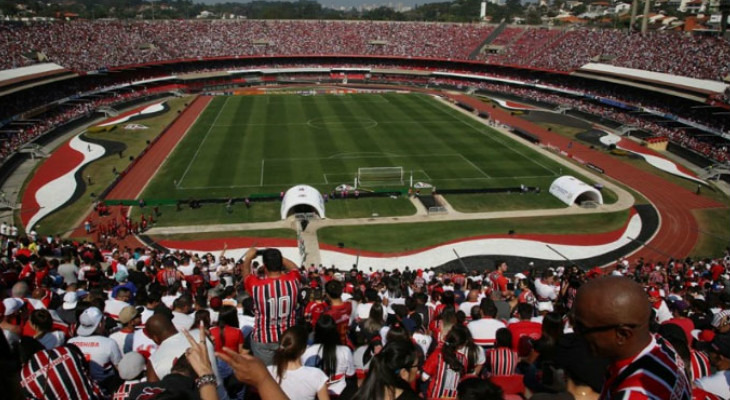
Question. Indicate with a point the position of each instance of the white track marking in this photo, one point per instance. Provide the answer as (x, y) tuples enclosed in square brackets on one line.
[(192, 160)]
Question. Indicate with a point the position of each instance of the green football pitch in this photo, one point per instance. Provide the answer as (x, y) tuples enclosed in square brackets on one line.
[(248, 145)]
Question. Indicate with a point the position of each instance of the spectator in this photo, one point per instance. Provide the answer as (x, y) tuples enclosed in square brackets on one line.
[(328, 354), (297, 381), (392, 373), (620, 332), (227, 333), (103, 353), (46, 376), (281, 276), (42, 323)]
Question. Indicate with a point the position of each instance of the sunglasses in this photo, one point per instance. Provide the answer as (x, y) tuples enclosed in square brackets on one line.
[(581, 329)]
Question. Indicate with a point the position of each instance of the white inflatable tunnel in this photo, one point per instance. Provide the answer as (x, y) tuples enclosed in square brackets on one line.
[(302, 197), (571, 190)]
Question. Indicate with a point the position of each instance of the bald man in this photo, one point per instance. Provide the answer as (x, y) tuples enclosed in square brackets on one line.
[(612, 314)]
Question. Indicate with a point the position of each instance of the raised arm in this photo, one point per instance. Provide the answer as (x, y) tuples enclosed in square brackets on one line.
[(247, 260)]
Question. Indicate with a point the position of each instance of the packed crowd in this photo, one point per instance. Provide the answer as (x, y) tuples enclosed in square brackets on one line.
[(669, 52), (82, 322), (91, 45), (16, 136)]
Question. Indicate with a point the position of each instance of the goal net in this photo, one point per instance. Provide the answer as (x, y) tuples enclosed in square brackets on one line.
[(380, 176)]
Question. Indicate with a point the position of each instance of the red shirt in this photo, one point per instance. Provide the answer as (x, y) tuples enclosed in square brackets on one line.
[(313, 310), (232, 338), (341, 315), (274, 301), (524, 328), (194, 281)]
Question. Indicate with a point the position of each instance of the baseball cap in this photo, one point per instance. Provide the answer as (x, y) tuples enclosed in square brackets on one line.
[(128, 313), (12, 305), (131, 365), (89, 320), (545, 306), (679, 305), (721, 345), (718, 321), (69, 300)]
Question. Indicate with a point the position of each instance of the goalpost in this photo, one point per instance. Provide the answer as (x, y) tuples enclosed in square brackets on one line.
[(369, 176)]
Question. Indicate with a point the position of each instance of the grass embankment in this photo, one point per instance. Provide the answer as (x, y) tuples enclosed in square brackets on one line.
[(405, 237), (267, 233), (101, 171), (714, 232)]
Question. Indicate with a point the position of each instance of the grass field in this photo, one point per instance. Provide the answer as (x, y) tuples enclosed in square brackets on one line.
[(390, 237), (245, 145)]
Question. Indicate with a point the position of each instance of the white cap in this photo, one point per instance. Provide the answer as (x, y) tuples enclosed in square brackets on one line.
[(520, 275), (131, 365), (69, 300), (12, 305), (89, 320), (545, 306)]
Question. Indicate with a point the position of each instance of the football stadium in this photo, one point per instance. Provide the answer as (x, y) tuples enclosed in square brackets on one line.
[(372, 209)]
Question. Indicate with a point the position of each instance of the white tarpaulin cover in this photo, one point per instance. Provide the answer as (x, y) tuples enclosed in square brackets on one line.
[(302, 195), (568, 189)]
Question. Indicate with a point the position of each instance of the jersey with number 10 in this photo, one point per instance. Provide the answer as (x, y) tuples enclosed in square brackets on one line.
[(275, 301)]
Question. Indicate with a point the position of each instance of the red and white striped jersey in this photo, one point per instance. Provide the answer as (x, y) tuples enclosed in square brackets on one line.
[(57, 374), (657, 372), (444, 380), (501, 361), (700, 365), (275, 301)]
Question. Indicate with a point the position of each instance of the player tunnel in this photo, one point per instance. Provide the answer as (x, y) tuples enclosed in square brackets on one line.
[(302, 199), (571, 190)]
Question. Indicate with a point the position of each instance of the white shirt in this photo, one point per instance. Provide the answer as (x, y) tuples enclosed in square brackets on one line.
[(717, 384), (363, 310), (101, 351), (423, 340), (119, 338), (546, 291), (301, 383), (143, 344), (113, 307), (182, 321), (662, 313), (167, 300), (466, 308), (172, 348), (146, 314), (187, 269), (345, 365), (484, 331)]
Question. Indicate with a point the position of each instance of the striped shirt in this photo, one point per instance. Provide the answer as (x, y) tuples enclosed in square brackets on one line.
[(444, 380), (657, 372), (57, 374), (501, 361), (700, 365), (123, 392), (275, 301)]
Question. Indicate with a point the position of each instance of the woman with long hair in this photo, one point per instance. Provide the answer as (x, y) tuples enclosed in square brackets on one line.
[(392, 372), (327, 354), (296, 380), (227, 333), (448, 364)]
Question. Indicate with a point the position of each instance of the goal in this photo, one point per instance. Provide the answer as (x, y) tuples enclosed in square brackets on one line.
[(380, 176)]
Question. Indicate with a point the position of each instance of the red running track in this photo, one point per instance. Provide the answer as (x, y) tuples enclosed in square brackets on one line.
[(678, 232), (132, 184)]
